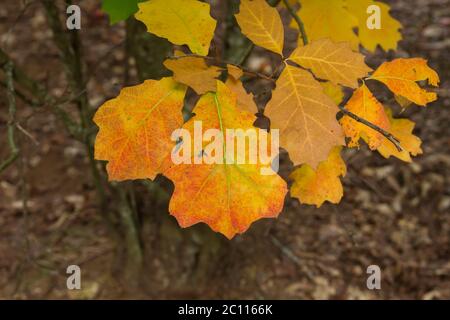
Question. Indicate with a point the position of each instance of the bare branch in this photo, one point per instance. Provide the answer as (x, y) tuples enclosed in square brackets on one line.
[(41, 95)]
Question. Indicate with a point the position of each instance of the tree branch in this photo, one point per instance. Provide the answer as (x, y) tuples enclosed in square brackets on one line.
[(223, 64), (69, 46), (297, 19), (12, 118), (40, 94), (386, 134)]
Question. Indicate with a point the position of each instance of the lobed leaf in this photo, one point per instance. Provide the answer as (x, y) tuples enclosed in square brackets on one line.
[(194, 72), (402, 129), (244, 99), (328, 19), (135, 128), (305, 116), (180, 21), (365, 105), (387, 36), (323, 184), (227, 197), (401, 75), (331, 61)]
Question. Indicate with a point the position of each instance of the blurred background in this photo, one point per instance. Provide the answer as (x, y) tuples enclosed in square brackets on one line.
[(56, 208)]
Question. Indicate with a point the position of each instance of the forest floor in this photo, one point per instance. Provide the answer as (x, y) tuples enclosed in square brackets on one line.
[(394, 215)]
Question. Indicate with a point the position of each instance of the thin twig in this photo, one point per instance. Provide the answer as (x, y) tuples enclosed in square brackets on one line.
[(12, 118), (40, 93), (286, 251), (297, 19), (26, 133), (386, 134), (224, 63)]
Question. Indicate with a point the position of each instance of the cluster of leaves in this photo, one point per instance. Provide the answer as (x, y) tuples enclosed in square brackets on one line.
[(136, 127)]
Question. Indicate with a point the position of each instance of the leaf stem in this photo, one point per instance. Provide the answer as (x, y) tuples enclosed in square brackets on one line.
[(297, 19)]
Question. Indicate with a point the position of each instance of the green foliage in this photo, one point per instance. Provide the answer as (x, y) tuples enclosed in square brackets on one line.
[(119, 10)]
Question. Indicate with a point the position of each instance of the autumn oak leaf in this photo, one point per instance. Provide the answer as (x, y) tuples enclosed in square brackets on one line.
[(328, 19), (305, 116), (401, 129), (334, 91), (387, 36), (322, 184), (401, 76), (364, 104), (227, 196), (180, 21), (244, 99), (194, 72), (332, 61), (234, 72), (135, 128), (262, 24)]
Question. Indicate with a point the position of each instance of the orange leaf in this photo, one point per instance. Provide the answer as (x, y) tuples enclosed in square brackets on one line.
[(227, 196), (401, 75), (261, 24), (194, 72), (334, 91), (323, 184), (401, 129), (244, 100), (332, 61), (305, 116), (235, 72), (366, 106), (135, 128)]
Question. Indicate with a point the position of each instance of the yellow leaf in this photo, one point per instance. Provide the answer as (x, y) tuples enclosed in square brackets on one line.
[(261, 24), (331, 61), (135, 128), (366, 106), (401, 129), (244, 100), (305, 116), (402, 101), (228, 197), (387, 37), (401, 75), (323, 184), (194, 72), (328, 19), (235, 72), (180, 21), (334, 91)]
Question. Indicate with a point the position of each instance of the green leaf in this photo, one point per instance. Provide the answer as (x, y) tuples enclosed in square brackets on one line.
[(119, 10)]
